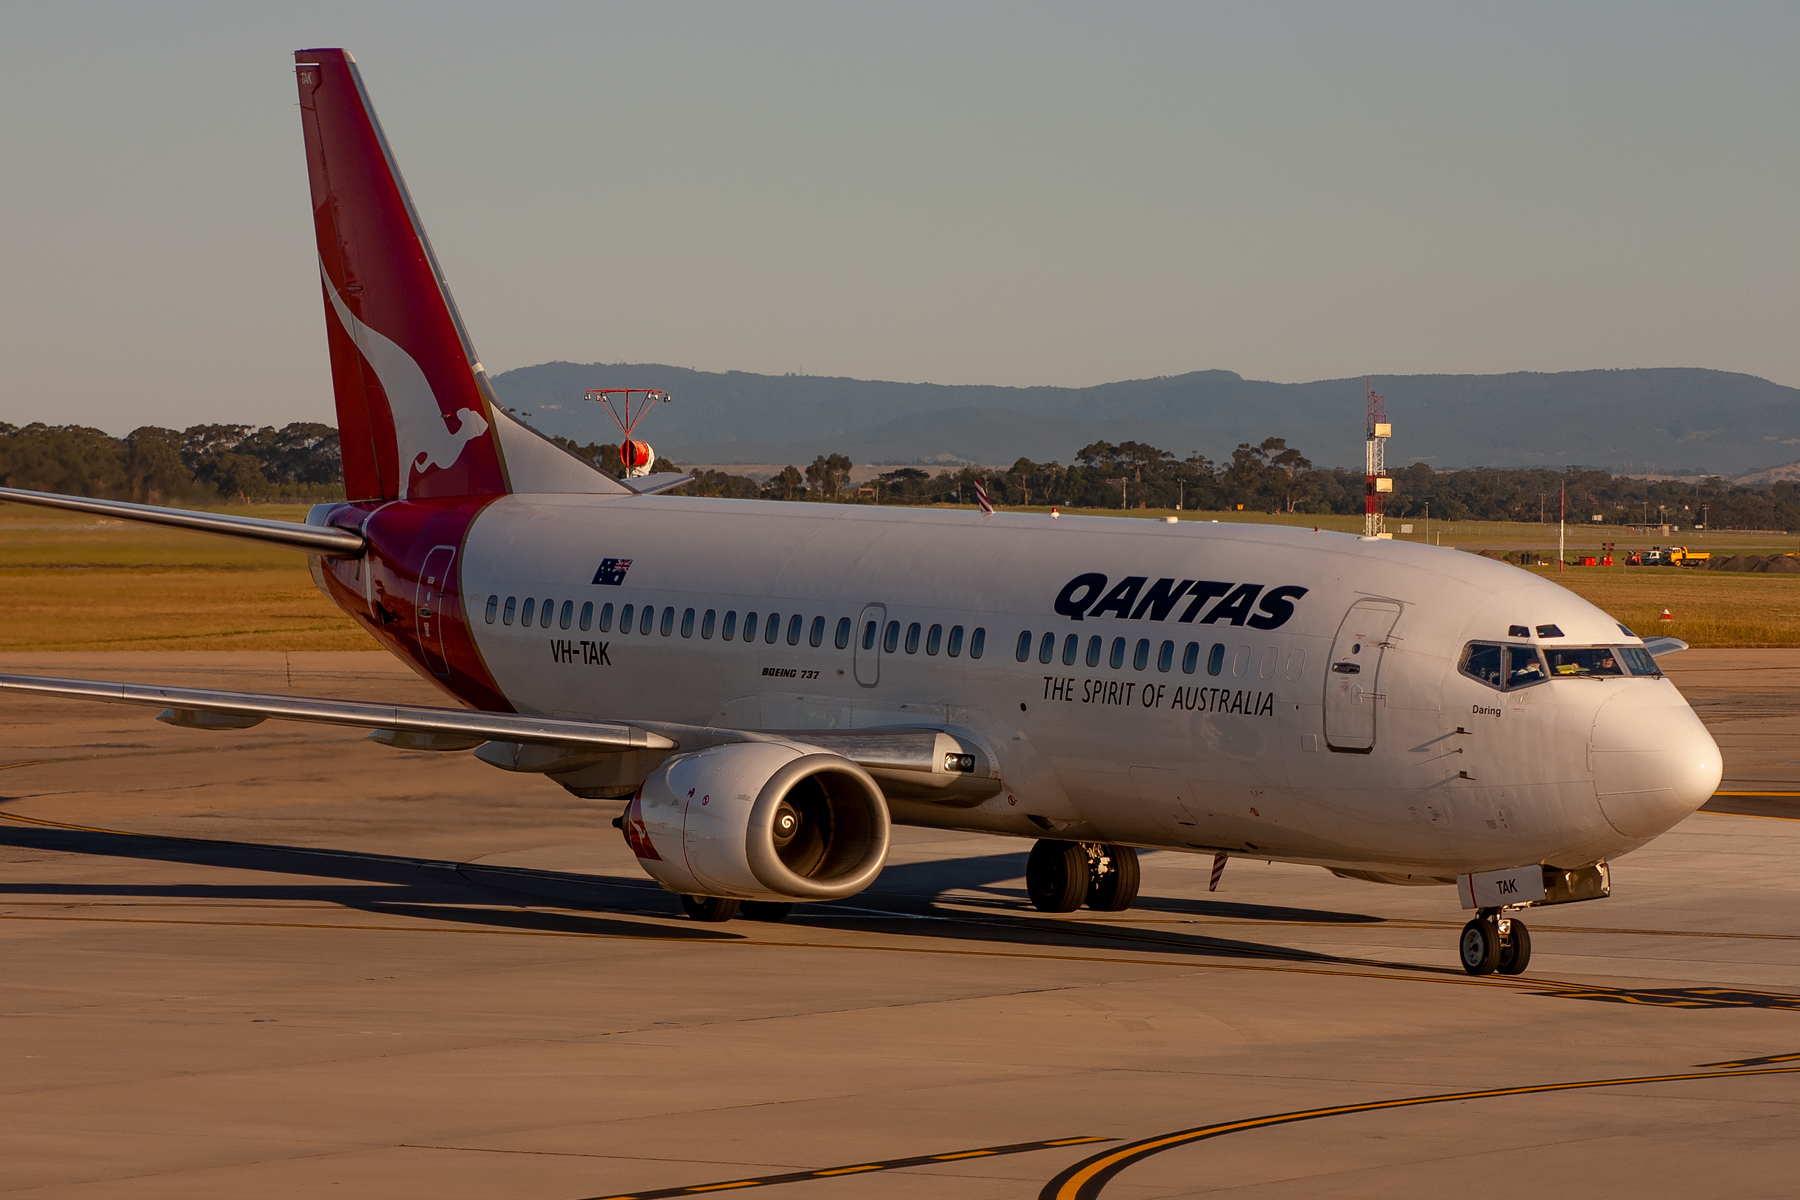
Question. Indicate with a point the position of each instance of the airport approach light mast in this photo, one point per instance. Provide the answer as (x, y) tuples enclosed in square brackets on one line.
[(1376, 462), (635, 457)]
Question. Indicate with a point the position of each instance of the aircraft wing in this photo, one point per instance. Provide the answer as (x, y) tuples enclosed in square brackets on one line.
[(193, 707), (319, 539), (1659, 646), (930, 764)]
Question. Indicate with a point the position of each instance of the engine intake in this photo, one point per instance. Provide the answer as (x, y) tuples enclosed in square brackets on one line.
[(760, 821)]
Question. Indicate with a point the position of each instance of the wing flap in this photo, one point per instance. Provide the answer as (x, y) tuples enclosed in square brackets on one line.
[(410, 719)]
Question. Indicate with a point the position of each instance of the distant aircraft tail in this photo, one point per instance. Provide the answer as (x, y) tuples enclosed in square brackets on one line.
[(417, 418)]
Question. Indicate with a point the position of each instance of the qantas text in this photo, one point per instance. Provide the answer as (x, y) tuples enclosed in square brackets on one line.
[(1237, 603)]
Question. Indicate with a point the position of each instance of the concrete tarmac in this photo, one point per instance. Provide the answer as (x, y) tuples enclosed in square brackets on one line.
[(288, 962)]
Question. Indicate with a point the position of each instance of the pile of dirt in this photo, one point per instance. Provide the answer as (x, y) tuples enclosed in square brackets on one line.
[(1758, 564)]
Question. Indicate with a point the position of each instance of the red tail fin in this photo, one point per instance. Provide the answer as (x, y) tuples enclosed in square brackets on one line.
[(417, 418)]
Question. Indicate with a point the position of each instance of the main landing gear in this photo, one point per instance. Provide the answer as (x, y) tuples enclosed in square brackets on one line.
[(1494, 941), (718, 908), (1062, 876)]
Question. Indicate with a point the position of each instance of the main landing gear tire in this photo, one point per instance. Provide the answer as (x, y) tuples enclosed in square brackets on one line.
[(1479, 947), (1515, 951), (709, 908), (766, 910), (1056, 876), (1113, 879)]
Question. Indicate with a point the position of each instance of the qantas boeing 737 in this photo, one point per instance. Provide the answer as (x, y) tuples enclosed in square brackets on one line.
[(771, 686)]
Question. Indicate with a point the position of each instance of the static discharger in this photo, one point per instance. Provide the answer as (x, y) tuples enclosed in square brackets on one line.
[(634, 456)]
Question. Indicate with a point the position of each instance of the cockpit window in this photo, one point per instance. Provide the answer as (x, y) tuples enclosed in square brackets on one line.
[(1523, 667), (1482, 661), (1639, 660), (1584, 661)]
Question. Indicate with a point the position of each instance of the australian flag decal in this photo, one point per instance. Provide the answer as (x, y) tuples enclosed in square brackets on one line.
[(612, 571)]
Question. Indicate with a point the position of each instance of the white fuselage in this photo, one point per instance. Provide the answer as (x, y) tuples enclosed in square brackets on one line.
[(1405, 766)]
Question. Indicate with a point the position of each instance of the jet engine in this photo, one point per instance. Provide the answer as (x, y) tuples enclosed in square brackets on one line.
[(768, 821)]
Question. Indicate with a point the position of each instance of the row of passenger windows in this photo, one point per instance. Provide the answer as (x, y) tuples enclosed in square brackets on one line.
[(544, 614), (1509, 668), (1140, 655)]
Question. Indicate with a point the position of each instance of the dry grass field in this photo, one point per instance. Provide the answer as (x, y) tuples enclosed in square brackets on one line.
[(69, 582), (72, 582)]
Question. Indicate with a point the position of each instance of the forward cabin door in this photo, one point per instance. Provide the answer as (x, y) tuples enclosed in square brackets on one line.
[(1353, 679), (868, 644), (432, 598)]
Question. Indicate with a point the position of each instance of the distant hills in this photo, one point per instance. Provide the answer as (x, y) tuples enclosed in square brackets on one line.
[(1671, 421)]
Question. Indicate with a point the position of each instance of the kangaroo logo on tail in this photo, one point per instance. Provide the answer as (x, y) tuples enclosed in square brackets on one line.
[(421, 429)]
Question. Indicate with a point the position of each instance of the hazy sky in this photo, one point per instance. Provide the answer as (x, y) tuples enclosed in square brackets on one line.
[(959, 193)]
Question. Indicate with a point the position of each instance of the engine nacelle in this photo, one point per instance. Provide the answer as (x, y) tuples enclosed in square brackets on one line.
[(760, 821)]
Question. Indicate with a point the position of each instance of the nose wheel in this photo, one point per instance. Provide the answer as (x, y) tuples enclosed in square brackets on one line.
[(1494, 942)]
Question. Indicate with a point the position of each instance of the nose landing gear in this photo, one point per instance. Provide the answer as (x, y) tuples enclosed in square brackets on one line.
[(1062, 876), (1495, 941)]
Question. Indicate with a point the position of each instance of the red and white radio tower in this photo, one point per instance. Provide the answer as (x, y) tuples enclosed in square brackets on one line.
[(635, 458), (1378, 482)]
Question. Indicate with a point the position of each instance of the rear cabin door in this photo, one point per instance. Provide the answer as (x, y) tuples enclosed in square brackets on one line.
[(1353, 679), (432, 599), (868, 644)]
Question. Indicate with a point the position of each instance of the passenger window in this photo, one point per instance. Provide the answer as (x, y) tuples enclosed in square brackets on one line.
[(507, 616), (1296, 665), (1093, 651), (493, 607), (1586, 661), (606, 617), (707, 623), (647, 620), (1140, 658), (668, 621), (1240, 662), (772, 629), (891, 640), (1117, 658), (977, 642), (817, 636), (1190, 658), (912, 638), (529, 612), (1165, 658), (1482, 662), (842, 639), (1523, 667), (687, 623), (730, 629), (1266, 668), (1047, 648), (625, 616), (795, 623), (934, 639), (568, 614), (1071, 647), (749, 626), (1639, 660), (1023, 652), (955, 646), (549, 607), (869, 632), (1215, 659), (587, 616)]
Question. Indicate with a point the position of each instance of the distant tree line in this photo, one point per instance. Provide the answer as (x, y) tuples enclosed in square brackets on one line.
[(152, 465), (300, 461)]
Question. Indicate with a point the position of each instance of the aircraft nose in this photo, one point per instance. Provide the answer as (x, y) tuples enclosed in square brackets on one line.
[(1654, 762)]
